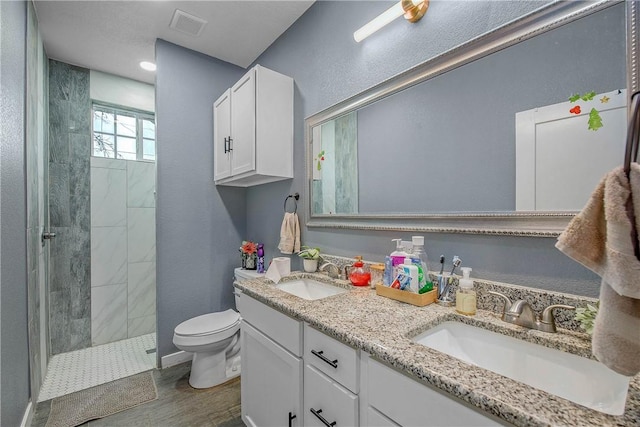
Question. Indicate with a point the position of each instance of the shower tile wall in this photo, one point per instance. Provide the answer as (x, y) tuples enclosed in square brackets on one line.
[(69, 192), (123, 249)]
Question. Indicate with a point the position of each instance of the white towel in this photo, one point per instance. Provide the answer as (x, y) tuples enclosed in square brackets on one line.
[(600, 237), (289, 234)]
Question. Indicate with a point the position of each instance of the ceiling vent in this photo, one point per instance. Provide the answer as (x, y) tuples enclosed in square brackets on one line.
[(186, 23)]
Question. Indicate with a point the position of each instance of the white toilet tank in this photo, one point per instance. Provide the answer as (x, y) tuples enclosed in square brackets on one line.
[(242, 274)]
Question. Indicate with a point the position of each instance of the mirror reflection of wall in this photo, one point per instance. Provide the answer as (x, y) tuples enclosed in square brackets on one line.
[(335, 166), (452, 138)]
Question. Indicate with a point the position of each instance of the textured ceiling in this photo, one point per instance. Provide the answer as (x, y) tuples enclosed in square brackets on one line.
[(114, 36)]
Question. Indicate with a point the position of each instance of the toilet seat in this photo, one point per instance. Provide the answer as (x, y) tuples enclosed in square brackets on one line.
[(208, 324)]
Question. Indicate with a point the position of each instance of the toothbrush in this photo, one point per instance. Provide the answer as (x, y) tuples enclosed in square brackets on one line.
[(456, 263), (441, 264)]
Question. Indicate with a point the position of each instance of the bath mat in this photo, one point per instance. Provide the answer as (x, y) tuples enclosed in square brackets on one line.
[(103, 400)]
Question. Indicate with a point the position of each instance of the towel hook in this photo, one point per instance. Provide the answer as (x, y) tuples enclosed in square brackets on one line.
[(295, 198)]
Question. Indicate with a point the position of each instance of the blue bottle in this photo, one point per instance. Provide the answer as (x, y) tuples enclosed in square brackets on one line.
[(260, 258)]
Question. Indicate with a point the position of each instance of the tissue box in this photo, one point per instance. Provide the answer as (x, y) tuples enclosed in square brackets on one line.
[(409, 297)]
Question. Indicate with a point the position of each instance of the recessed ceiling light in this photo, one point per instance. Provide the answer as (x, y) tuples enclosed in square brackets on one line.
[(149, 66)]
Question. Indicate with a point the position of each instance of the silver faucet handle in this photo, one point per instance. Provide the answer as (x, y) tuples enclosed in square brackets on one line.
[(547, 313), (507, 301)]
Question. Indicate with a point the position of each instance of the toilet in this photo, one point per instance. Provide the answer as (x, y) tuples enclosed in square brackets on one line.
[(214, 340)]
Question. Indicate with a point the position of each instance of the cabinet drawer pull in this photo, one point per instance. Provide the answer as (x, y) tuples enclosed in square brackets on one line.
[(230, 141), (291, 417), (321, 355), (321, 418)]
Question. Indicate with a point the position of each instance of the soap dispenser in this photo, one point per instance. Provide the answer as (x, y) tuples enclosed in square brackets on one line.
[(357, 274), (466, 295)]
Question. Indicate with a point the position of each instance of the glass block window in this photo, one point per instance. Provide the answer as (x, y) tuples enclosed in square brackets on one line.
[(123, 134)]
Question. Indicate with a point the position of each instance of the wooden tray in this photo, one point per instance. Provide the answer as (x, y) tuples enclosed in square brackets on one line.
[(405, 296)]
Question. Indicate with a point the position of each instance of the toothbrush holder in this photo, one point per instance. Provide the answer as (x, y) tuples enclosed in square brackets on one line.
[(444, 298)]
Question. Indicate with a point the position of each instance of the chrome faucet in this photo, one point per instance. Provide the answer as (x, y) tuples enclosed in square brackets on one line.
[(520, 313), (331, 269)]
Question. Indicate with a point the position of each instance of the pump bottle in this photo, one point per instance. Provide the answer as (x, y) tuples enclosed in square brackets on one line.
[(466, 295)]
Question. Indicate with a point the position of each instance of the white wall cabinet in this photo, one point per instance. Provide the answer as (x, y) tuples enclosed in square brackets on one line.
[(253, 130)]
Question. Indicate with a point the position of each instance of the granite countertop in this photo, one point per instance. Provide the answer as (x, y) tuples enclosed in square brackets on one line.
[(383, 328)]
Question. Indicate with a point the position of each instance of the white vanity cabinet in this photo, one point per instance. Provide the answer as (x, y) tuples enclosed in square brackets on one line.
[(272, 367), (295, 375), (394, 399), (253, 130)]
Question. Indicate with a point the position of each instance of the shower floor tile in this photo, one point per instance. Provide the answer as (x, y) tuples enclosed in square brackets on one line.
[(81, 369)]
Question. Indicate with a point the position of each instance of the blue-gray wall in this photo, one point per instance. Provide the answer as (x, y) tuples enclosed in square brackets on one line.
[(319, 52), (14, 358), (199, 225)]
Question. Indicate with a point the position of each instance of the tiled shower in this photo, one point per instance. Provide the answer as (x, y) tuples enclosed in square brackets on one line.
[(123, 249), (102, 275)]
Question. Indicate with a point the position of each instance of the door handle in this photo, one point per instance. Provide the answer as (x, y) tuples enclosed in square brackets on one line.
[(47, 236)]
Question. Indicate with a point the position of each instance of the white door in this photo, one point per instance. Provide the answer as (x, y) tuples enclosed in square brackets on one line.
[(221, 135), (243, 124), (271, 382)]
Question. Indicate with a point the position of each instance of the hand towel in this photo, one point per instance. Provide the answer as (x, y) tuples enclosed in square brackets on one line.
[(289, 234), (602, 238)]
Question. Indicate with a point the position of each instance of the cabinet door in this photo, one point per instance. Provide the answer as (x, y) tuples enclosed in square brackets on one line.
[(243, 124), (221, 132), (271, 382)]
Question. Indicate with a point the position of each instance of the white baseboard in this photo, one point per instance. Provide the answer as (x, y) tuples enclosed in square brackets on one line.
[(175, 359), (28, 415)]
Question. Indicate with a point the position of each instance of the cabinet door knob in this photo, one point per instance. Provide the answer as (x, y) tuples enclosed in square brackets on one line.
[(321, 355), (321, 418)]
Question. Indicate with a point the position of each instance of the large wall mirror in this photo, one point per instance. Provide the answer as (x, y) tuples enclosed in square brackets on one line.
[(484, 138)]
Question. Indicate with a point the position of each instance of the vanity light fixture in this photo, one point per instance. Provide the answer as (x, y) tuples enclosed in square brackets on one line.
[(412, 10), (148, 66)]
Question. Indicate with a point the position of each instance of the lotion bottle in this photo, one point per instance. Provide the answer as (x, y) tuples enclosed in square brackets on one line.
[(466, 295)]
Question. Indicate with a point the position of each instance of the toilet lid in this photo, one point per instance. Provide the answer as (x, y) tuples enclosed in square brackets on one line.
[(208, 323)]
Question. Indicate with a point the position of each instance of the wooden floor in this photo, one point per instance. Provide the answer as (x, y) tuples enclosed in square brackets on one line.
[(178, 405)]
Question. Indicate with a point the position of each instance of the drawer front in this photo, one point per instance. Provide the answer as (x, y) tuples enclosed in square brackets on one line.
[(332, 357), (326, 401), (410, 403), (281, 328)]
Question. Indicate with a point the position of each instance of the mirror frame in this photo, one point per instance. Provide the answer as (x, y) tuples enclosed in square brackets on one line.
[(515, 223)]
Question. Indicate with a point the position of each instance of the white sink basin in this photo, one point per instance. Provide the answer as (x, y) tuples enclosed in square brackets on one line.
[(309, 289), (580, 380)]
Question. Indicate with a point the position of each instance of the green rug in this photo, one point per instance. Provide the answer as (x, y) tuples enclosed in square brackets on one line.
[(101, 401)]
